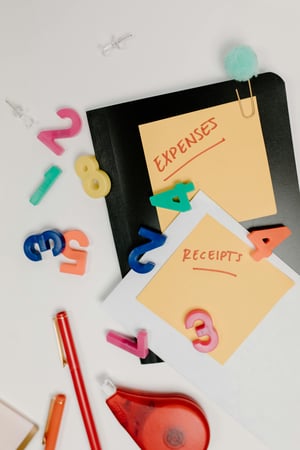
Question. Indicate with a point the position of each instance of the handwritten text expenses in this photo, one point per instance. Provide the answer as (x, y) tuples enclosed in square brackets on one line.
[(167, 157)]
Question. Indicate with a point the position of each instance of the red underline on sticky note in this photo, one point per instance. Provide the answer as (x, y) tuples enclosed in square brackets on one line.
[(194, 157), (215, 270)]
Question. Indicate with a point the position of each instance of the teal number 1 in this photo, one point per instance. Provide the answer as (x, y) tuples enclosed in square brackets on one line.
[(50, 177)]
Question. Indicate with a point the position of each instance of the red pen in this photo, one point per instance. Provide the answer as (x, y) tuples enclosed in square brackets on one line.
[(69, 356)]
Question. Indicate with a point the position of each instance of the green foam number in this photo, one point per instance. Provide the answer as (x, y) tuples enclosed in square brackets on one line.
[(175, 198)]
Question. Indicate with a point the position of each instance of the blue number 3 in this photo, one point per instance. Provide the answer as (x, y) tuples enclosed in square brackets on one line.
[(43, 241)]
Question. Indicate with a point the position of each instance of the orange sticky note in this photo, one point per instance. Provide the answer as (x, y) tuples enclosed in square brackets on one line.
[(223, 154), (212, 269)]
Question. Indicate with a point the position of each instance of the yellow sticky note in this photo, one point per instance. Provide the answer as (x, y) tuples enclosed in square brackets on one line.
[(212, 270), (217, 149)]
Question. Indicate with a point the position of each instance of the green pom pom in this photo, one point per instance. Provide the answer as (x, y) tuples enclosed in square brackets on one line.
[(241, 63)]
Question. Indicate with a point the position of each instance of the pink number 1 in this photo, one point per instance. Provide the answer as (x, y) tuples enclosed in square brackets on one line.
[(48, 137)]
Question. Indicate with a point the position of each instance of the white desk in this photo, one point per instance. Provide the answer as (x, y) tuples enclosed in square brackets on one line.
[(49, 59)]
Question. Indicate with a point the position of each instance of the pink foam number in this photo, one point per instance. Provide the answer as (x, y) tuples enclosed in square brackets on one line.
[(206, 332), (48, 137), (266, 240), (138, 347), (79, 257)]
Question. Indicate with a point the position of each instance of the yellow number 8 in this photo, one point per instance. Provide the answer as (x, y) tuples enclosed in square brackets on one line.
[(95, 182)]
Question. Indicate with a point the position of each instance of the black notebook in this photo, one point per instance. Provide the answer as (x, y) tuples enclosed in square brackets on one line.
[(244, 162)]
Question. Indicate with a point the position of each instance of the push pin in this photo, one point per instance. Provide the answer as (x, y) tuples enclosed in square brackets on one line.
[(115, 43), (19, 112)]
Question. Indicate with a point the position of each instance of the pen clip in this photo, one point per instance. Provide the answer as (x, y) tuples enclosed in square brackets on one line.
[(61, 351), (51, 407)]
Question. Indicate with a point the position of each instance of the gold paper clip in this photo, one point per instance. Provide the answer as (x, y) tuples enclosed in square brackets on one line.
[(61, 351), (246, 116)]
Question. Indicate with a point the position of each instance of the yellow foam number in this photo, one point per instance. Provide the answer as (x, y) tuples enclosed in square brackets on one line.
[(95, 182)]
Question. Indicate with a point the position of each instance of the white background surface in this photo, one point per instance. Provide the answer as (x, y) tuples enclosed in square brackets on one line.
[(50, 59)]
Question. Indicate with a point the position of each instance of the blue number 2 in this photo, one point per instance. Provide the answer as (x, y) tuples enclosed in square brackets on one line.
[(156, 240)]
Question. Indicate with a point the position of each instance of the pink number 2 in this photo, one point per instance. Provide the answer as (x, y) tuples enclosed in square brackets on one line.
[(48, 137), (79, 256)]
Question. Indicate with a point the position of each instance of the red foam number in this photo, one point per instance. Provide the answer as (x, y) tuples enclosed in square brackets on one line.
[(266, 240), (48, 137), (78, 256)]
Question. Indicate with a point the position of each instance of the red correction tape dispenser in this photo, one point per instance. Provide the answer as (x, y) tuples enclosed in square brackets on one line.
[(158, 421)]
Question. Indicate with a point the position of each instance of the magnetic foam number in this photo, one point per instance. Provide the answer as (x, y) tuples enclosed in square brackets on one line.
[(48, 137), (266, 240), (50, 177), (78, 256), (175, 198), (156, 240), (95, 182), (43, 242), (138, 347), (205, 330)]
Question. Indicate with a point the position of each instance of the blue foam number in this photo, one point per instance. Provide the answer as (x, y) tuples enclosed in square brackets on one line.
[(43, 241), (156, 240), (175, 198)]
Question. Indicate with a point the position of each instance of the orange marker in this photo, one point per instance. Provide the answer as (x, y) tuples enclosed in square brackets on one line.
[(53, 422)]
